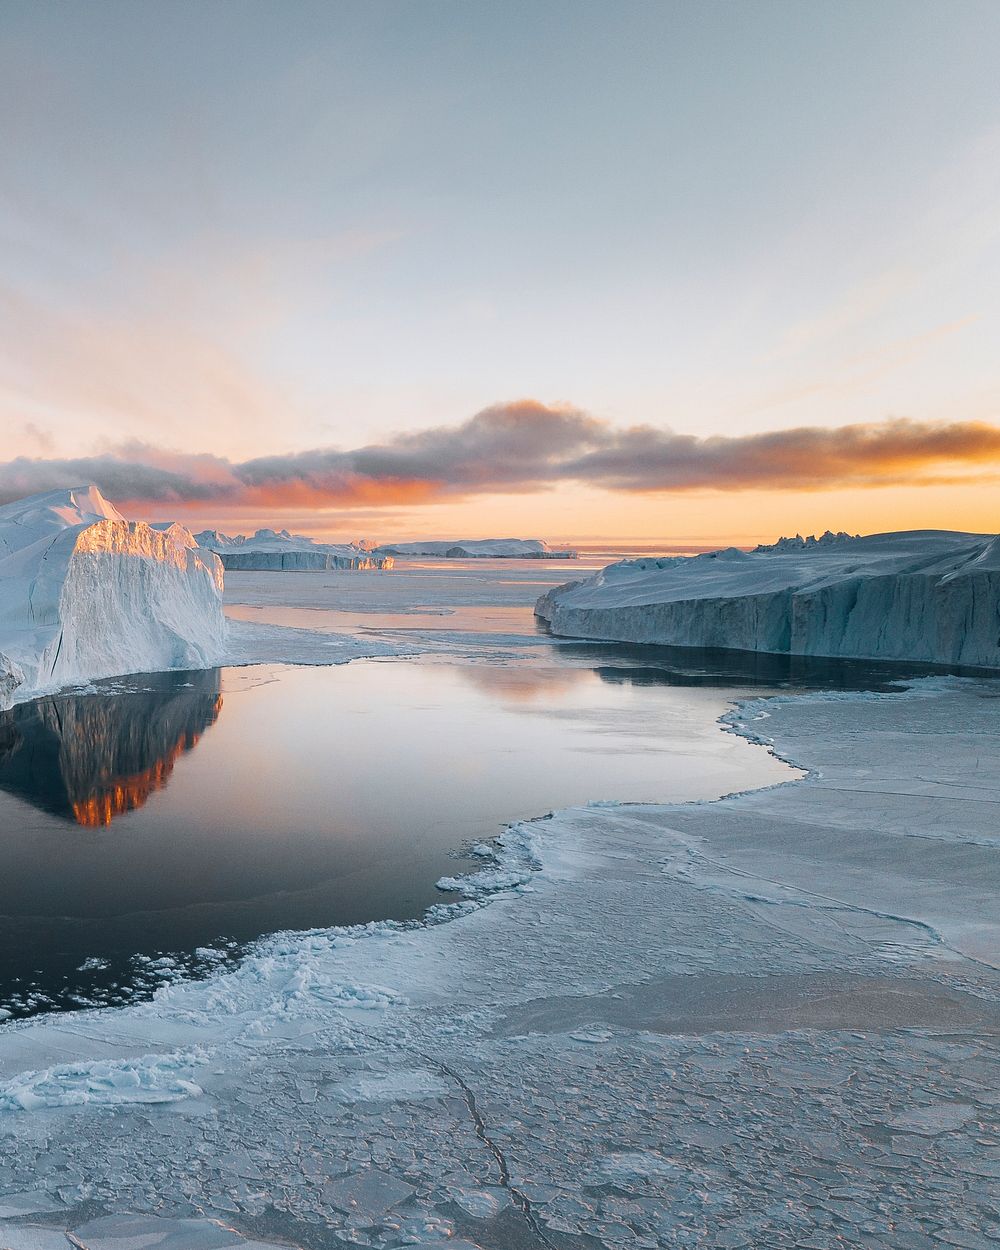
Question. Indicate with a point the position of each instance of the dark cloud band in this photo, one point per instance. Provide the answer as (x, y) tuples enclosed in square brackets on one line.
[(527, 446)]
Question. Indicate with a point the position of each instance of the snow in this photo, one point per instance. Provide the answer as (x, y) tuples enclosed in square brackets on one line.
[(763, 1021), (927, 595), (131, 1232), (479, 548), (148, 1079), (280, 550), (86, 594)]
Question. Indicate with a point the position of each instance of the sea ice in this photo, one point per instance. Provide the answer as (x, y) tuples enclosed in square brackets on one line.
[(129, 1232), (32, 1237), (939, 1118), (148, 1079), (370, 1192), (405, 1085)]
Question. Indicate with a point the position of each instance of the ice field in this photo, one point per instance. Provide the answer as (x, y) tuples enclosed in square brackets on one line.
[(769, 1020)]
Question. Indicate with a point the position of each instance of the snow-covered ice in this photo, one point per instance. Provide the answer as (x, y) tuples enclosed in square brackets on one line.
[(930, 595), (479, 548), (86, 594), (767, 1021), (279, 550)]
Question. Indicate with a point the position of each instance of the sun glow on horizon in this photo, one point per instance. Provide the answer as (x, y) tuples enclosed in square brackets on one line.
[(711, 519)]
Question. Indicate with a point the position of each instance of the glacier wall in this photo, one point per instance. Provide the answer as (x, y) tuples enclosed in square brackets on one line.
[(86, 594), (478, 548), (277, 550), (922, 595), (276, 561)]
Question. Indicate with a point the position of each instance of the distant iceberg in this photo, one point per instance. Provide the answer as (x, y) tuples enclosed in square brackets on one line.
[(480, 548), (927, 595), (268, 550), (86, 594)]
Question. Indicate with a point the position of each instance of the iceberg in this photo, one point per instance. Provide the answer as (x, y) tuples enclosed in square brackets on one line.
[(480, 548), (269, 549), (85, 594), (924, 595)]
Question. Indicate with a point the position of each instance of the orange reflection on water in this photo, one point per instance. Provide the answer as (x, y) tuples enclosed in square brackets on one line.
[(115, 796)]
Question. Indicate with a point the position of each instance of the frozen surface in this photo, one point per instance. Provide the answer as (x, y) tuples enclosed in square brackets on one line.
[(474, 609), (479, 548), (278, 550), (86, 594), (930, 595), (772, 1020), (250, 642)]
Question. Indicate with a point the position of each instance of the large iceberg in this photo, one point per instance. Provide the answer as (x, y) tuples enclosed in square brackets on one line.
[(269, 549), (929, 595), (86, 594), (480, 548)]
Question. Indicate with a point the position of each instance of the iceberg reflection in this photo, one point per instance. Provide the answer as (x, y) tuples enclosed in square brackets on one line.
[(92, 758), (645, 664)]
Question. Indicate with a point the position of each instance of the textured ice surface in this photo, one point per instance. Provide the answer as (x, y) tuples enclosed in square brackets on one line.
[(276, 550), (768, 1021), (86, 594), (146, 1079), (929, 595), (479, 548), (251, 643), (128, 1232)]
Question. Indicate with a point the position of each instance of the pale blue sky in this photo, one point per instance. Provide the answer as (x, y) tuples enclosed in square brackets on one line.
[(247, 228)]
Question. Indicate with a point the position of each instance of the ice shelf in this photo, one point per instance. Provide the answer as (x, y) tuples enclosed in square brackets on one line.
[(930, 595)]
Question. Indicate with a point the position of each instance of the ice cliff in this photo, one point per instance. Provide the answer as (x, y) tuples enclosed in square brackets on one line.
[(278, 549), (86, 594), (929, 595), (480, 548)]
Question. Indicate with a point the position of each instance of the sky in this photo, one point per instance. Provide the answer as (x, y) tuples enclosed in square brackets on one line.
[(659, 272)]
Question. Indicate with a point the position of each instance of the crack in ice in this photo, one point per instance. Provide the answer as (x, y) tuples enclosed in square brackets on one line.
[(828, 903), (519, 1198)]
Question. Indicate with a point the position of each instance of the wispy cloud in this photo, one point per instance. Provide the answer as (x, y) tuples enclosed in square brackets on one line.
[(176, 341)]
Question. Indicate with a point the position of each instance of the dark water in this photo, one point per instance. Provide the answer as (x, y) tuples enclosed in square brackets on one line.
[(185, 811), (648, 665)]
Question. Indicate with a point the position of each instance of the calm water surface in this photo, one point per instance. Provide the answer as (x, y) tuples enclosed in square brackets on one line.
[(193, 810)]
